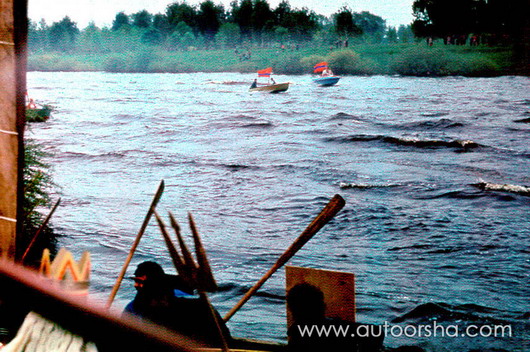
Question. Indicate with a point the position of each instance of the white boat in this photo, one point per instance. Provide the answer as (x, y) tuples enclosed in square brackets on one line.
[(326, 81), (271, 88), (327, 77)]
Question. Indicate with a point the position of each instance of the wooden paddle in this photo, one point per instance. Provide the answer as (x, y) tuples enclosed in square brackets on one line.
[(329, 211), (150, 212), (192, 270), (217, 320), (180, 265), (199, 275), (41, 228), (205, 273)]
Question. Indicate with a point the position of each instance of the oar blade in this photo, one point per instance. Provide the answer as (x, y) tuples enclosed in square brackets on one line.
[(205, 271), (326, 214), (175, 256), (186, 253)]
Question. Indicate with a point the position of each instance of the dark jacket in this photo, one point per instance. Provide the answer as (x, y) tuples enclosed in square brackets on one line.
[(188, 316)]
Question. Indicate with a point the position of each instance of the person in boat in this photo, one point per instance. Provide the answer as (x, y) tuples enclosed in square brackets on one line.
[(254, 84), (273, 81), (327, 72), (308, 309), (31, 104), (178, 309)]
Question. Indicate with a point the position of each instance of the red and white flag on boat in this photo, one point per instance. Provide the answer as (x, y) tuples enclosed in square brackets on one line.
[(321, 66), (265, 72)]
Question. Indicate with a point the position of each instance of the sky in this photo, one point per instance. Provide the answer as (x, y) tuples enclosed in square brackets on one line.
[(102, 12)]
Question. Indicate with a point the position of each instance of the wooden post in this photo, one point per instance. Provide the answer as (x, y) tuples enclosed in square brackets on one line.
[(13, 33)]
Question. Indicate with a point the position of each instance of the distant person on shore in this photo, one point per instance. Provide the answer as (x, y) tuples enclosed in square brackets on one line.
[(254, 84), (157, 300)]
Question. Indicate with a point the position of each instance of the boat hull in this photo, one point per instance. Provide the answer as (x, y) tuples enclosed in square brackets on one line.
[(272, 88), (326, 81)]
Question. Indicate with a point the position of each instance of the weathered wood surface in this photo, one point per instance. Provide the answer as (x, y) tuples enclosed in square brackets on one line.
[(9, 147), (272, 88), (94, 323), (338, 288)]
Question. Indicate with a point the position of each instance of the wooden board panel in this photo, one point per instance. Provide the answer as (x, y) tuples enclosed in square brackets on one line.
[(338, 289), (8, 132)]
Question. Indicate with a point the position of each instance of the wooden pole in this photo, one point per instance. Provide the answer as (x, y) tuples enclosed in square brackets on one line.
[(41, 228), (150, 212), (21, 45), (224, 344), (13, 33), (205, 271), (329, 211), (181, 265), (186, 254), (189, 271), (8, 133)]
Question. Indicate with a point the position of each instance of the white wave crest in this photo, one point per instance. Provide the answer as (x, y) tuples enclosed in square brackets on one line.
[(488, 186)]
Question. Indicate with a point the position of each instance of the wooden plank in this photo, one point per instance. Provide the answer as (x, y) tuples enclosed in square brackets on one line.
[(9, 147), (24, 289), (338, 289), (20, 11)]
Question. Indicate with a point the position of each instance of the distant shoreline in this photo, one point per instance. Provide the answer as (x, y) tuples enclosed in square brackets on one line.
[(364, 59)]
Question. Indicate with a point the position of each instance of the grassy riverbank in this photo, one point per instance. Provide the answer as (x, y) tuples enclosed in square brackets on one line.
[(364, 59), (38, 184)]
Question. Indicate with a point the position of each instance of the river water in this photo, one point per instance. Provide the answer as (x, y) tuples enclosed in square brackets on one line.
[(433, 171)]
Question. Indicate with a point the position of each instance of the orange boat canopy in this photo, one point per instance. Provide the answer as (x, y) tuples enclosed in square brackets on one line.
[(321, 66), (265, 72)]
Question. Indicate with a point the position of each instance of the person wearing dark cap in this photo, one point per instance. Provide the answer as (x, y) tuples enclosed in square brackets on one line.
[(171, 304), (153, 291)]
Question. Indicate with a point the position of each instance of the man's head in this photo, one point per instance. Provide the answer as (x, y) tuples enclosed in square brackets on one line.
[(147, 272), (306, 302)]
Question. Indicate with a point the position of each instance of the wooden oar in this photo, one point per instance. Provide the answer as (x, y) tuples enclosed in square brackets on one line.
[(217, 321), (41, 228), (329, 211), (206, 277), (189, 262), (178, 263), (152, 207), (201, 277)]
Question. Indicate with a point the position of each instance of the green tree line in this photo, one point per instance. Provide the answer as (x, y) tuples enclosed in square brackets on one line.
[(492, 21), (209, 25)]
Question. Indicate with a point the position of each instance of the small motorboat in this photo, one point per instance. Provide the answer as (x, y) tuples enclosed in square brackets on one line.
[(38, 114), (326, 81), (271, 86), (327, 78)]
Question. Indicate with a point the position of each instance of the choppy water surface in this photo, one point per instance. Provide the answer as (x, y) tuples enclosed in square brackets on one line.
[(432, 228)]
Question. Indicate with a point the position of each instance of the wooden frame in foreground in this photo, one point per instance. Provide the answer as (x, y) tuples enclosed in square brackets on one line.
[(26, 288)]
